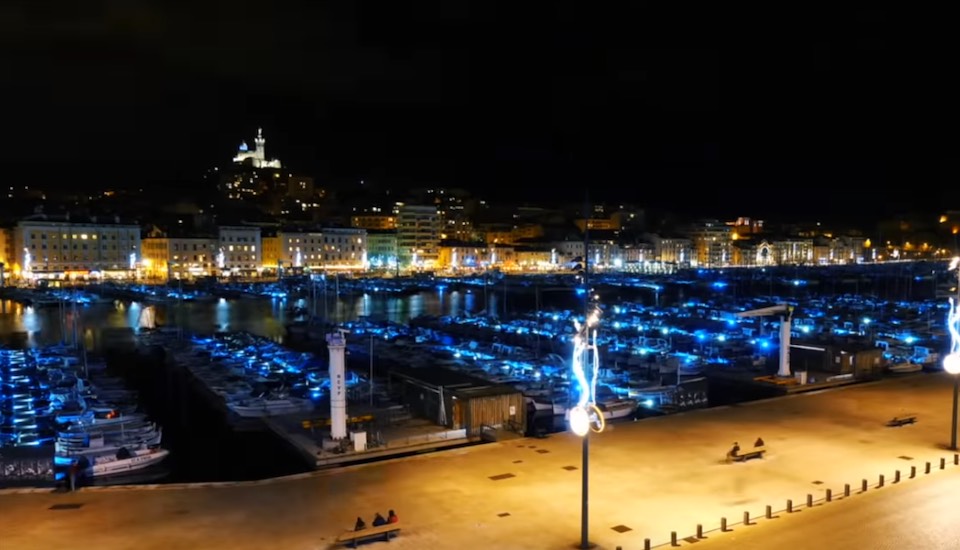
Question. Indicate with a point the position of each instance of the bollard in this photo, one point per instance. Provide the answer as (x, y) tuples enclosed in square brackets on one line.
[(789, 506), (956, 459), (863, 486), (809, 500), (646, 544), (723, 524), (896, 476), (913, 472), (769, 512), (673, 538), (846, 489), (699, 531), (881, 481), (746, 518), (829, 495), (926, 468), (943, 463)]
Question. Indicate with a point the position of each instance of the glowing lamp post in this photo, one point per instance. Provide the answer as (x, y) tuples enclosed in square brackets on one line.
[(585, 417), (951, 364)]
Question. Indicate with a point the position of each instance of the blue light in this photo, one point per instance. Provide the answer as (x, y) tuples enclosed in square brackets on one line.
[(719, 284)]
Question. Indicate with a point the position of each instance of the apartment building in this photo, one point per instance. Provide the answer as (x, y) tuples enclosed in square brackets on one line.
[(239, 251), (48, 248), (418, 235)]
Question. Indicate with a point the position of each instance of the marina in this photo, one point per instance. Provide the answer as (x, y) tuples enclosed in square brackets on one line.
[(463, 376)]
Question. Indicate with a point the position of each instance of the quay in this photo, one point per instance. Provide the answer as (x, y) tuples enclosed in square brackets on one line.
[(648, 479)]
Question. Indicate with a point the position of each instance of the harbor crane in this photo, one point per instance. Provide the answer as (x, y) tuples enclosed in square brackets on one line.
[(786, 316)]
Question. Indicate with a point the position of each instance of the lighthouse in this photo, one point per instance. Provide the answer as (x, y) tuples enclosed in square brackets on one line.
[(337, 345)]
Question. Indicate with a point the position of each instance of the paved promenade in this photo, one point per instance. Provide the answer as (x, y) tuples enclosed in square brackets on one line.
[(647, 478)]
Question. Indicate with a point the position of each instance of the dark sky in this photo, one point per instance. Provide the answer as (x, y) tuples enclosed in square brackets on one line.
[(759, 113)]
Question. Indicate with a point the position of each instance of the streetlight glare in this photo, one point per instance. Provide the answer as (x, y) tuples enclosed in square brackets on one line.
[(951, 363), (954, 263), (580, 421)]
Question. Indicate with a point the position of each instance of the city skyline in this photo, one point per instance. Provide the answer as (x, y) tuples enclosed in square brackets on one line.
[(632, 104)]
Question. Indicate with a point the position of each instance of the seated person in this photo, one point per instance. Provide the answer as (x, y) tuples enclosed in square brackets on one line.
[(392, 517), (758, 442), (359, 525), (379, 520)]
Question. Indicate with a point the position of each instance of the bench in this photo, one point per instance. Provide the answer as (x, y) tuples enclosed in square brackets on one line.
[(381, 532), (747, 453), (899, 421)]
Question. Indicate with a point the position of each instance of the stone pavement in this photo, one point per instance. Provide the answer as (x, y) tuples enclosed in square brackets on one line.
[(648, 478)]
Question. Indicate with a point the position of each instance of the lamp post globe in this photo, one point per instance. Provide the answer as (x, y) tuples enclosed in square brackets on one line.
[(951, 363)]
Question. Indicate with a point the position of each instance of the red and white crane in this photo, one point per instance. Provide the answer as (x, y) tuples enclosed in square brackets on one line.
[(786, 316)]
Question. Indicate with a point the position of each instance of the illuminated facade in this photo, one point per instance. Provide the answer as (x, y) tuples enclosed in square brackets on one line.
[(239, 251), (460, 255), (6, 249), (382, 248), (536, 258), (172, 258), (330, 248), (418, 235), (271, 254), (712, 243), (672, 250), (256, 157), (57, 249)]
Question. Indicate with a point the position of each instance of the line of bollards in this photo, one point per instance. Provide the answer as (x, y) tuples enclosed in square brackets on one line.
[(828, 497)]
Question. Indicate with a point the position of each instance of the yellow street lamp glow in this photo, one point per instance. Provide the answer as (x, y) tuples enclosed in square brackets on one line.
[(951, 363), (579, 420)]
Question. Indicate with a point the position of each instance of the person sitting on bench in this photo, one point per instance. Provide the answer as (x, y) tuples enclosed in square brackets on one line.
[(392, 517), (379, 520), (360, 525), (735, 449)]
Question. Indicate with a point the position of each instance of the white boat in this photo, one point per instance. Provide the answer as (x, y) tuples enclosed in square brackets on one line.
[(259, 407), (618, 408), (903, 368), (122, 462), (99, 445)]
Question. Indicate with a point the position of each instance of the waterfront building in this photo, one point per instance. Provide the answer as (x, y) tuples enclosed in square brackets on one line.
[(418, 235), (535, 257), (271, 254), (463, 256), (6, 247), (50, 248), (672, 250), (794, 251), (239, 251), (177, 257), (382, 248), (328, 248), (712, 243)]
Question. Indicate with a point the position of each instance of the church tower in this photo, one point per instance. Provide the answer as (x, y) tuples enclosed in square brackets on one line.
[(261, 146)]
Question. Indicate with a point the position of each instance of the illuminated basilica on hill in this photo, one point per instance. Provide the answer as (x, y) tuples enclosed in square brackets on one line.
[(258, 156)]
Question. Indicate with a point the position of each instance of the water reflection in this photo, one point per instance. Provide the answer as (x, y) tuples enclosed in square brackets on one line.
[(261, 316)]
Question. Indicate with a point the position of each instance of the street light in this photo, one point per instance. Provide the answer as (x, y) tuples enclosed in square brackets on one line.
[(951, 362), (585, 416)]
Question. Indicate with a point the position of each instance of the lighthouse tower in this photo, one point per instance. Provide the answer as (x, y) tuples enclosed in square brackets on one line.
[(337, 344)]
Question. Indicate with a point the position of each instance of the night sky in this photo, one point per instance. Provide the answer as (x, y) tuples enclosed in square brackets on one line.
[(756, 113)]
